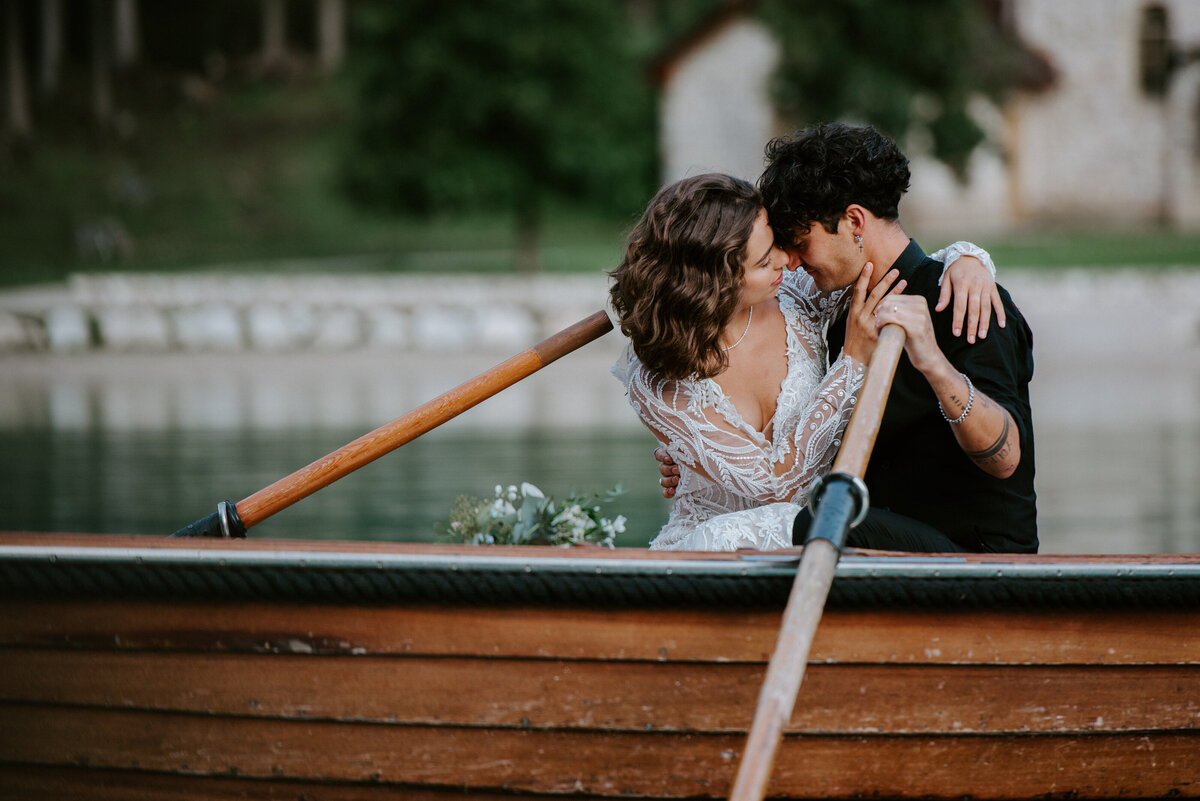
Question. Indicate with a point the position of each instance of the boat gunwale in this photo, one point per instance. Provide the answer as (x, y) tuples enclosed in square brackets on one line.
[(81, 566), (852, 566)]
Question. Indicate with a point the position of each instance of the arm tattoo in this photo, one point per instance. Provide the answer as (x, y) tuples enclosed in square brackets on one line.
[(997, 451)]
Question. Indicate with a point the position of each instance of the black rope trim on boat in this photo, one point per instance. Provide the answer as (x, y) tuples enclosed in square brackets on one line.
[(212, 581)]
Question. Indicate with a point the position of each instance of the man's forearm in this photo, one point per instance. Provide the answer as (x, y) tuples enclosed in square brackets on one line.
[(984, 429)]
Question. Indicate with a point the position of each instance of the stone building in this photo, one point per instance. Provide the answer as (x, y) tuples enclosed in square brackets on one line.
[(715, 113), (1113, 139)]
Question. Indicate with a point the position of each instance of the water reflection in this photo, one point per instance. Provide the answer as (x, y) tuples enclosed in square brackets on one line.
[(1119, 491), (147, 444), (153, 482), (1092, 497)]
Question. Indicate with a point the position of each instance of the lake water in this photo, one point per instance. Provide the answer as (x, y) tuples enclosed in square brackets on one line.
[(1091, 498), (146, 444), (153, 482)]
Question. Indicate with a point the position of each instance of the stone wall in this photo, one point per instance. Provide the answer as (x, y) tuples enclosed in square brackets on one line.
[(1096, 146), (1115, 348), (1079, 313), (271, 313), (712, 113)]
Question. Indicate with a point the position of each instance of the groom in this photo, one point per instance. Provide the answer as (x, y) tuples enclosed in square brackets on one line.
[(952, 468)]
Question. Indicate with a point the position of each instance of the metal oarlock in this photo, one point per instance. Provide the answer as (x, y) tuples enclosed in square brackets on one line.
[(221, 524), (832, 519), (858, 489), (231, 524)]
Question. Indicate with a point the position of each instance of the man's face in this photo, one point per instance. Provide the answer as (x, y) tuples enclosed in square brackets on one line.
[(833, 260)]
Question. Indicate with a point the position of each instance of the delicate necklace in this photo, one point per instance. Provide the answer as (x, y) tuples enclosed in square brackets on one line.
[(743, 336)]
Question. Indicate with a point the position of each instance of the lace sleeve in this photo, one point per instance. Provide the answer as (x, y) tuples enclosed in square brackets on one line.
[(686, 415), (949, 254)]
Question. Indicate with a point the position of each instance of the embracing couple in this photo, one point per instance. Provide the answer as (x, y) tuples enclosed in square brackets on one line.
[(747, 368)]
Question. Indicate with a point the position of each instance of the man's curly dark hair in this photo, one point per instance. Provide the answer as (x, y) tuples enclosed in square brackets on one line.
[(815, 174)]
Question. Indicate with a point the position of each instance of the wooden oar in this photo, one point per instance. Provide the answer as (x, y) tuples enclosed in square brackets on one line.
[(837, 506), (232, 521)]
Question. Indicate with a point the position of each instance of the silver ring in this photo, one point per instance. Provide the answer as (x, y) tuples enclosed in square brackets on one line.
[(223, 516)]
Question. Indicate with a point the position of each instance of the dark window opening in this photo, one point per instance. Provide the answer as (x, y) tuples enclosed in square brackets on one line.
[(1155, 51)]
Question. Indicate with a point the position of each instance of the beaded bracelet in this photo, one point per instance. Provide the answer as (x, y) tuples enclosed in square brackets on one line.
[(966, 411)]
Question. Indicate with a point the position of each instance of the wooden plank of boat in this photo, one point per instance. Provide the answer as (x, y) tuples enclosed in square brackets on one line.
[(139, 667)]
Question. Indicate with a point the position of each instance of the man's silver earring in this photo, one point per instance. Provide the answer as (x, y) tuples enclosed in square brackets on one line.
[(858, 240)]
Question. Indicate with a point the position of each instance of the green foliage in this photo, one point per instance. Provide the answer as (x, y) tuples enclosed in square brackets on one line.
[(242, 170), (248, 182), (499, 105), (906, 67)]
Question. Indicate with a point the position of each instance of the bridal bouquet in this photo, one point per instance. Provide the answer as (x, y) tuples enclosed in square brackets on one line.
[(525, 516)]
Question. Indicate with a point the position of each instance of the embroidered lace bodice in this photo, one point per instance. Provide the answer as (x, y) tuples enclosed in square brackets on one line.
[(726, 465), (739, 487)]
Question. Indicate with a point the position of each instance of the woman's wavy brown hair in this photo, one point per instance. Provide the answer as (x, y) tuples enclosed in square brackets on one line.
[(681, 277)]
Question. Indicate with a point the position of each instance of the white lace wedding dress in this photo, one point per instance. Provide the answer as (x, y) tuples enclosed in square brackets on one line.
[(730, 495), (722, 472)]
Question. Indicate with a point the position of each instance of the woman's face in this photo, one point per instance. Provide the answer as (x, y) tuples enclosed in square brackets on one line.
[(763, 263)]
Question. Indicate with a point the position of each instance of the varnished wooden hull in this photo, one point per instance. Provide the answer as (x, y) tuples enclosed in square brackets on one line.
[(105, 694)]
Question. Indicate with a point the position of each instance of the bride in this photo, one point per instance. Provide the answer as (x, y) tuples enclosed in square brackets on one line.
[(726, 363)]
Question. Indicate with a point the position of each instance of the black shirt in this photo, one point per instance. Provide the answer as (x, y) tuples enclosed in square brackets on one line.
[(917, 468)]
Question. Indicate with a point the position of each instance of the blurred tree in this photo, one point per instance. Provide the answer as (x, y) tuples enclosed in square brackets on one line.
[(51, 51), (331, 34), (127, 45), (18, 122), (500, 105), (274, 33), (904, 67), (102, 18)]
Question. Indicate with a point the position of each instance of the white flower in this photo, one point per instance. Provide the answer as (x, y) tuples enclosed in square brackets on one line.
[(613, 527), (573, 522), (530, 491)]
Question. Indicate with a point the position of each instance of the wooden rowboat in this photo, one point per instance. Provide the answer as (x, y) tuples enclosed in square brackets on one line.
[(138, 667)]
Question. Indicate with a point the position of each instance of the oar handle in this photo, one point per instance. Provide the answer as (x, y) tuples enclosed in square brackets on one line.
[(814, 577), (573, 337), (860, 435), (283, 493)]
